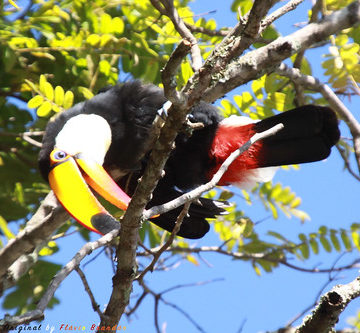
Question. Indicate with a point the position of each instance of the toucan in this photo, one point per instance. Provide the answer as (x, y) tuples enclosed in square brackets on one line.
[(100, 145)]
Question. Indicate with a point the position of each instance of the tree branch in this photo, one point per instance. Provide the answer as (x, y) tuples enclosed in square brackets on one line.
[(264, 60), (49, 216), (94, 304), (331, 305), (170, 70), (73, 264), (232, 46), (212, 33), (170, 240), (291, 5), (169, 10)]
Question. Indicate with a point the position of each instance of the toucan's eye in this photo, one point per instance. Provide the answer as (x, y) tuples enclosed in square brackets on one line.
[(58, 156)]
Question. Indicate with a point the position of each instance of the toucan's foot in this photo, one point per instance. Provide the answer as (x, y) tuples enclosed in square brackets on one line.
[(191, 122), (163, 111)]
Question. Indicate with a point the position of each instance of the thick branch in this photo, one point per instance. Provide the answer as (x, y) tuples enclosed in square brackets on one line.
[(331, 305), (40, 227), (233, 45), (264, 60), (38, 313)]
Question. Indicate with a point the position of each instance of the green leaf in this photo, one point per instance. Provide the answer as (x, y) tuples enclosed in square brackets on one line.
[(192, 259), (44, 109), (334, 240), (35, 102), (42, 83), (273, 209), (93, 39), (226, 195), (154, 237), (19, 193), (9, 59), (117, 25), (86, 92), (314, 244), (48, 91), (49, 249), (257, 269), (68, 99), (59, 95), (325, 243), (346, 240), (106, 24), (277, 236), (304, 247), (356, 239), (30, 288), (4, 228)]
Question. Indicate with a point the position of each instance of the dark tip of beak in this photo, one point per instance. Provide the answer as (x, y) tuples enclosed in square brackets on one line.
[(104, 223)]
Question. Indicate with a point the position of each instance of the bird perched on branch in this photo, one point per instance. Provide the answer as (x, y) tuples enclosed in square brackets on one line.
[(102, 143)]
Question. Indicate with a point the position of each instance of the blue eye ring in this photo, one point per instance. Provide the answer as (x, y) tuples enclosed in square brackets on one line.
[(58, 155)]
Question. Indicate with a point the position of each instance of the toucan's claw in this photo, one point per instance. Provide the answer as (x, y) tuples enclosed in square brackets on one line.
[(163, 111)]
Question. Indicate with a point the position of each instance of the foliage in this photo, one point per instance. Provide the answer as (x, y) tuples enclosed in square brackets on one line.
[(61, 52), (31, 287)]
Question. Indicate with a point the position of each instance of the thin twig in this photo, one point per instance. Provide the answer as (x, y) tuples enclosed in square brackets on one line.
[(166, 7), (32, 141), (137, 304), (220, 33), (347, 163), (94, 304), (159, 297), (291, 5), (169, 72), (195, 284), (255, 256), (170, 240)]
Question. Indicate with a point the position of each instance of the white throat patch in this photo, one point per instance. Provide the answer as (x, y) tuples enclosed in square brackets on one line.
[(234, 120), (88, 134)]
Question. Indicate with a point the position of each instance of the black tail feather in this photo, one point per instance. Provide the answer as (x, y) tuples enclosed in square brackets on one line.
[(309, 133), (194, 224)]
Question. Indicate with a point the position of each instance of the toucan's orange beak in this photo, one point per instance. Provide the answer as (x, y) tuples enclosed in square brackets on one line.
[(70, 186)]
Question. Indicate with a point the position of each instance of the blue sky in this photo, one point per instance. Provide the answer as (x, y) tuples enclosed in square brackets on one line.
[(237, 296)]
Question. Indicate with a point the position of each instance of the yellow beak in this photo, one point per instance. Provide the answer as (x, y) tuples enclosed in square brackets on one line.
[(71, 188)]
